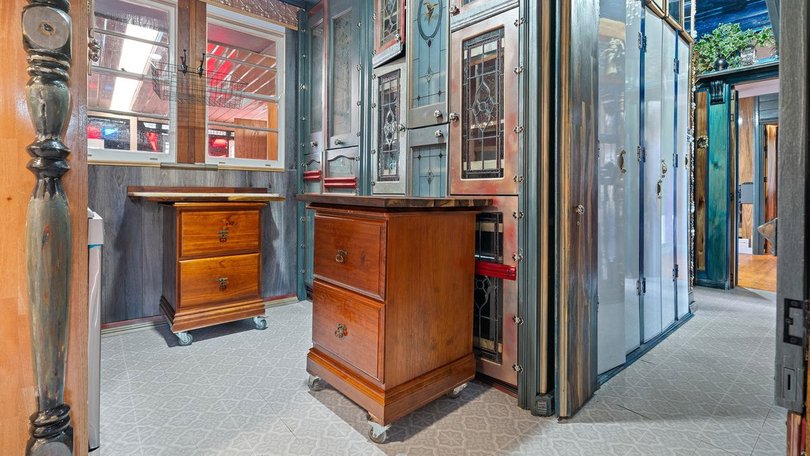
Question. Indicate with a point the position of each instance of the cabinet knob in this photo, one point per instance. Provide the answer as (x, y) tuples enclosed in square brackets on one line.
[(223, 283), (341, 331), (453, 117), (341, 256), (339, 142), (454, 10), (437, 114), (223, 235), (438, 133)]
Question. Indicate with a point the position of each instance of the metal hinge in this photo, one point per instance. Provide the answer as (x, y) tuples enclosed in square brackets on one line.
[(518, 215), (519, 21), (677, 64), (641, 153), (517, 368), (676, 272), (518, 257), (644, 285), (518, 179), (638, 287), (675, 159), (517, 320), (642, 42)]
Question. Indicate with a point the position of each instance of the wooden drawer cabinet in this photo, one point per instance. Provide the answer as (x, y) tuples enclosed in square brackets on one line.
[(212, 265), (391, 319)]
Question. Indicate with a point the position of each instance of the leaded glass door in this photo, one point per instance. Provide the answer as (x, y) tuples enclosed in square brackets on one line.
[(495, 295), (388, 129), (389, 30), (484, 127), (313, 155), (428, 37), (467, 12), (343, 89), (427, 158)]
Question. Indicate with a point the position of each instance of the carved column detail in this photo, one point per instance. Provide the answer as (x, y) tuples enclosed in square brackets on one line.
[(47, 29)]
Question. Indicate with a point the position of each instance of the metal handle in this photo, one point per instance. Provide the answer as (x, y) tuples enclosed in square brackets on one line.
[(339, 142), (663, 169), (223, 283), (341, 331), (341, 256), (621, 163), (659, 187), (453, 117), (454, 10), (223, 235)]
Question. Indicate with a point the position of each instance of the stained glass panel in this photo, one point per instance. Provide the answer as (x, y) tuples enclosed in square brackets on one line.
[(429, 56), (429, 171), (488, 294), (482, 145), (388, 123), (389, 23)]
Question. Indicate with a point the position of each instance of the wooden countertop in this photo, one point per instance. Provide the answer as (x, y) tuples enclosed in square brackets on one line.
[(203, 194), (395, 202)]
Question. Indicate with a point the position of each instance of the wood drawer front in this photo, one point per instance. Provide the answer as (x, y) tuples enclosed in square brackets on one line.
[(200, 279), (351, 252), (347, 325), (218, 232)]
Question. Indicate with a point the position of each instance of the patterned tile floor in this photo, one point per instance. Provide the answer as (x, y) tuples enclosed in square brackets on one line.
[(706, 390)]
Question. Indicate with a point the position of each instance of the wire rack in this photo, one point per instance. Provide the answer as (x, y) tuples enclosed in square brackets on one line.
[(194, 85)]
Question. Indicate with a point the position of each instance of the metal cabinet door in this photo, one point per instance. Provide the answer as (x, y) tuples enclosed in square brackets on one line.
[(343, 88), (388, 133), (428, 54), (495, 296), (684, 94), (668, 194), (653, 181), (427, 158), (484, 128), (315, 100), (389, 30), (468, 12)]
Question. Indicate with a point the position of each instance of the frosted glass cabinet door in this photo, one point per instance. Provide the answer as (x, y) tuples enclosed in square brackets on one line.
[(467, 12), (611, 171), (389, 30), (484, 101), (344, 75), (684, 93), (317, 58), (632, 200), (428, 38), (653, 182), (388, 131), (668, 110), (427, 158), (495, 290)]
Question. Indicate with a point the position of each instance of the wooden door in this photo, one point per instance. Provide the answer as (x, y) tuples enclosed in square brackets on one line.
[(388, 131), (18, 390), (484, 121), (577, 209), (428, 54), (343, 88)]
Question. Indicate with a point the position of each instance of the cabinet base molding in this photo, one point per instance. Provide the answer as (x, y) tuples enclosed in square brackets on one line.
[(388, 405), (209, 315)]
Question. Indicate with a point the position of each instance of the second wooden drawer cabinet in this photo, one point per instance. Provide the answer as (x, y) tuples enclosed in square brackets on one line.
[(212, 265)]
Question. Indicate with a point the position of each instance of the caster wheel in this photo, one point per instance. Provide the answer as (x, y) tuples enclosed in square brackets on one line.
[(316, 383), (377, 438), (184, 339), (260, 323), (456, 391)]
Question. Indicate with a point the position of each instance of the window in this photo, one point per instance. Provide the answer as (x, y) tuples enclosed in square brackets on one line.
[(128, 120), (244, 65)]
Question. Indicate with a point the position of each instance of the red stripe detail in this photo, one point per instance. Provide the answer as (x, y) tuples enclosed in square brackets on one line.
[(340, 182), (497, 270), (312, 175)]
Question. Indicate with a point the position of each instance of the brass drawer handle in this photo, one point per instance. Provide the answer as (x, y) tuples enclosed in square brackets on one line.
[(341, 331), (223, 283), (341, 256), (223, 235)]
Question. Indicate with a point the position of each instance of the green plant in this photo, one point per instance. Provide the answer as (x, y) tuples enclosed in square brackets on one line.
[(726, 41)]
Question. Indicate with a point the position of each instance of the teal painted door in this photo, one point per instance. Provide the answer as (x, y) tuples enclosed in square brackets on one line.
[(343, 88)]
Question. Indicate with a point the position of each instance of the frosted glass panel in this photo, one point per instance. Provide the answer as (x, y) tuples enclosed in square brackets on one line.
[(316, 84), (682, 178), (612, 193), (668, 109), (652, 176), (343, 46), (632, 77)]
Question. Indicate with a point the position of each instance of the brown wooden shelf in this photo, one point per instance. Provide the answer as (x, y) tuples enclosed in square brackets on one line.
[(203, 194), (394, 202)]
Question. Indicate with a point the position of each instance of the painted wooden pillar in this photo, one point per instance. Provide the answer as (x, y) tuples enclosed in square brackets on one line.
[(718, 193)]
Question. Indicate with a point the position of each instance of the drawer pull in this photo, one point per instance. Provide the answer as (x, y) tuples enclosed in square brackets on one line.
[(223, 283), (223, 235), (341, 331), (341, 256)]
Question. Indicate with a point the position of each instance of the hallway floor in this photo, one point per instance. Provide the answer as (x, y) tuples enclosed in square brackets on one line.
[(757, 272), (706, 390)]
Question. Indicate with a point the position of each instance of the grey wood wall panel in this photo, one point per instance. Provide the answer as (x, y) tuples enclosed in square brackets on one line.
[(769, 106), (131, 260)]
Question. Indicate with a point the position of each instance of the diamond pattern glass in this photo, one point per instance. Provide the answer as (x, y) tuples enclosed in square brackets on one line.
[(388, 124)]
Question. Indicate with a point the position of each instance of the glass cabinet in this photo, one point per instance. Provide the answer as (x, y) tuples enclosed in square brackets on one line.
[(427, 158), (428, 34), (343, 88), (313, 155), (484, 127), (389, 30), (388, 129)]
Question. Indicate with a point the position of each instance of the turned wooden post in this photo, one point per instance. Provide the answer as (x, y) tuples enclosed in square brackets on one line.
[(47, 28)]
